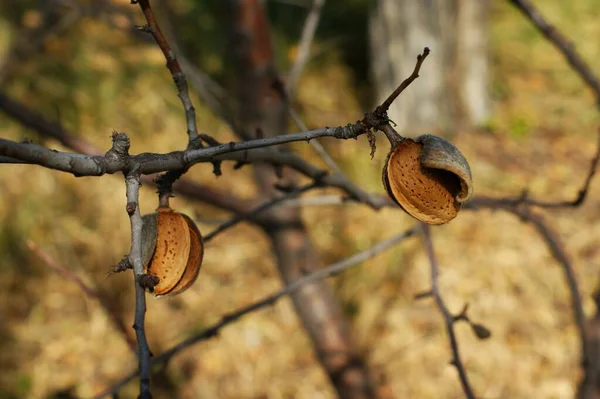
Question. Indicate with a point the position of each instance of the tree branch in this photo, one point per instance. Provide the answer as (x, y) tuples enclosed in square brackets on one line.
[(175, 69), (37, 122), (557, 249), (385, 106), (566, 47), (89, 165), (93, 165), (449, 319), (132, 181), (315, 143), (552, 240), (267, 205), (269, 300)]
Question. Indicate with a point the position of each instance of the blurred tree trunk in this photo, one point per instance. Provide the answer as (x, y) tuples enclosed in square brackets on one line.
[(262, 110), (452, 91)]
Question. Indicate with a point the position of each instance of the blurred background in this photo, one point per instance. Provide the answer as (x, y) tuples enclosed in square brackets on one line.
[(493, 86)]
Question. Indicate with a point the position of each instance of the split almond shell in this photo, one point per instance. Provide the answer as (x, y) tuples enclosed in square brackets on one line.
[(172, 250), (428, 177)]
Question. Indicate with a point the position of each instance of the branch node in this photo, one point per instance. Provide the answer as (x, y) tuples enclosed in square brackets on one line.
[(211, 141), (462, 316), (119, 152), (122, 266), (148, 281), (350, 131), (130, 208)]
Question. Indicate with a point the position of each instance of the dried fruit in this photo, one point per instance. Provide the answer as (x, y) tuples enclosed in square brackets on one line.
[(428, 177), (172, 250)]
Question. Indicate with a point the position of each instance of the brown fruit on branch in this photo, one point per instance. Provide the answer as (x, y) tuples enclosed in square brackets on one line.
[(428, 177), (172, 250)]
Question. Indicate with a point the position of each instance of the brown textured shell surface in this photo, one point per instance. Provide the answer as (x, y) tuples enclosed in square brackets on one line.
[(172, 250), (194, 261), (429, 178)]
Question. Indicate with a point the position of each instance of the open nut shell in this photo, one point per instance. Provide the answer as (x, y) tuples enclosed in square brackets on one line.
[(172, 250), (428, 177), (194, 260)]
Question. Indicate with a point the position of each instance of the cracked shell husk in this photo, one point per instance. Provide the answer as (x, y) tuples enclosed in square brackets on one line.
[(428, 177), (172, 250)]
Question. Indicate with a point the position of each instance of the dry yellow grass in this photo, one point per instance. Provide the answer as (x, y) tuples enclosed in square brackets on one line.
[(54, 338)]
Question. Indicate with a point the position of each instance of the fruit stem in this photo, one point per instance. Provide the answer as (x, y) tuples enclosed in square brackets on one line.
[(163, 200), (392, 135)]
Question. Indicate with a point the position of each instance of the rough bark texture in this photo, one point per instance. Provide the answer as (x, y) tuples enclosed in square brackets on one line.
[(263, 111), (454, 94)]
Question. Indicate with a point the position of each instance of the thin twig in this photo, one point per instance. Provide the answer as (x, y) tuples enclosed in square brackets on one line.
[(316, 305), (89, 291), (306, 39), (86, 165), (560, 41), (315, 143), (385, 106), (449, 319), (524, 200), (215, 97), (552, 240), (478, 201), (37, 122), (45, 127), (261, 208), (211, 92), (81, 165), (173, 162), (135, 259), (212, 331), (174, 68)]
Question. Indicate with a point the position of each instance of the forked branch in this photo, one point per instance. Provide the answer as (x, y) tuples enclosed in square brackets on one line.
[(269, 300), (449, 319)]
